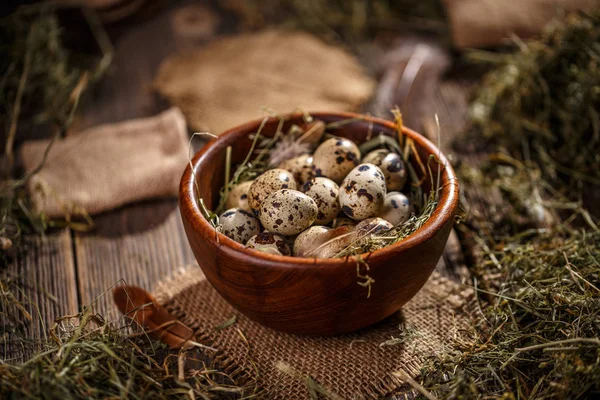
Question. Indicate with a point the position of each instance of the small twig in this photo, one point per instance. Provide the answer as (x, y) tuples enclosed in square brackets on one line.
[(12, 131), (416, 385)]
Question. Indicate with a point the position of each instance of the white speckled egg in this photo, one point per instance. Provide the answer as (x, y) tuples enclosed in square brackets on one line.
[(239, 225), (268, 242), (335, 157), (301, 167), (375, 156), (362, 192), (343, 221), (310, 240), (391, 165), (267, 183), (396, 208), (287, 212), (372, 226), (325, 193), (238, 196)]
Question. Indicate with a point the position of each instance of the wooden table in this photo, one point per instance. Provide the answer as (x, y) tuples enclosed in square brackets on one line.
[(143, 243)]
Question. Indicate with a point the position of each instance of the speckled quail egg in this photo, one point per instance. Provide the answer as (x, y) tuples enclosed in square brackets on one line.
[(301, 167), (343, 221), (391, 165), (267, 183), (238, 196), (325, 193), (396, 208), (362, 192), (372, 226), (239, 225), (310, 240), (335, 157), (268, 242), (287, 212)]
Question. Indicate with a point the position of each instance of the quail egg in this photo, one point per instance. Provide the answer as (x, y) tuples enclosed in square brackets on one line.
[(372, 226), (391, 165), (310, 240), (343, 221), (238, 196), (267, 183), (287, 212), (362, 192), (335, 157), (239, 225), (268, 242), (396, 208), (301, 167), (325, 193)]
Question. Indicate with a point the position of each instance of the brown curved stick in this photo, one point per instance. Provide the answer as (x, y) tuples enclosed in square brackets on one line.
[(138, 305)]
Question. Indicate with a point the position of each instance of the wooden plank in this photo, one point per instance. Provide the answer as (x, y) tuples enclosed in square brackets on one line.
[(138, 245), (141, 243), (45, 272)]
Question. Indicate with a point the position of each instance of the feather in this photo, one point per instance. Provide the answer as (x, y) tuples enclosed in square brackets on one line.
[(329, 245), (139, 306), (411, 72), (295, 144)]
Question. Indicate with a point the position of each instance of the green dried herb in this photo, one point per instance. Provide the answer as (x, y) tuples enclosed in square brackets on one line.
[(540, 335), (544, 100), (41, 86), (334, 19), (89, 358)]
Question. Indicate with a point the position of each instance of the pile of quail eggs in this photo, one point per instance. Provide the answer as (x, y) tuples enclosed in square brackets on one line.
[(315, 205)]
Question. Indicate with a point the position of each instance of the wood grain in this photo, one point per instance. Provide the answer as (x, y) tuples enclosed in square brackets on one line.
[(137, 245), (141, 243), (45, 271)]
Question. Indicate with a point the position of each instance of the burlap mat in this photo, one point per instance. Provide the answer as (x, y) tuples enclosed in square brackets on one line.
[(108, 166), (228, 82), (475, 23), (354, 366)]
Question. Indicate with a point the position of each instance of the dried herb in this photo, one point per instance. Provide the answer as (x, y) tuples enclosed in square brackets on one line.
[(542, 101), (86, 357), (41, 86), (534, 246), (540, 335), (335, 19)]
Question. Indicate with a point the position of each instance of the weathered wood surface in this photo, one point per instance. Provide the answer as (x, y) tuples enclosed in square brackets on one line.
[(45, 273), (141, 243), (138, 245)]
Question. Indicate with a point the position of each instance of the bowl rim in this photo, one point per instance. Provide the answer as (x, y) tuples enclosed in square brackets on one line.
[(445, 210)]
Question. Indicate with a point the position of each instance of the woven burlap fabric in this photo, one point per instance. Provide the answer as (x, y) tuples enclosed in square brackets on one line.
[(229, 81), (108, 166), (476, 23), (353, 366)]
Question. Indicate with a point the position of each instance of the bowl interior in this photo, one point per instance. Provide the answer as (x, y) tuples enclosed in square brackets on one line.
[(209, 164)]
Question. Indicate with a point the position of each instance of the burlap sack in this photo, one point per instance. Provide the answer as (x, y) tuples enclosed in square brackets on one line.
[(353, 366), (476, 23), (229, 81), (108, 166)]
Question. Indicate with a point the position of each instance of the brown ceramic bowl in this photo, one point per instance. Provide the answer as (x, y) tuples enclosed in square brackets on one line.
[(309, 295)]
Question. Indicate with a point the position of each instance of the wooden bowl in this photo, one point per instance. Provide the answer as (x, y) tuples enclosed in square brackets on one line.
[(309, 295)]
